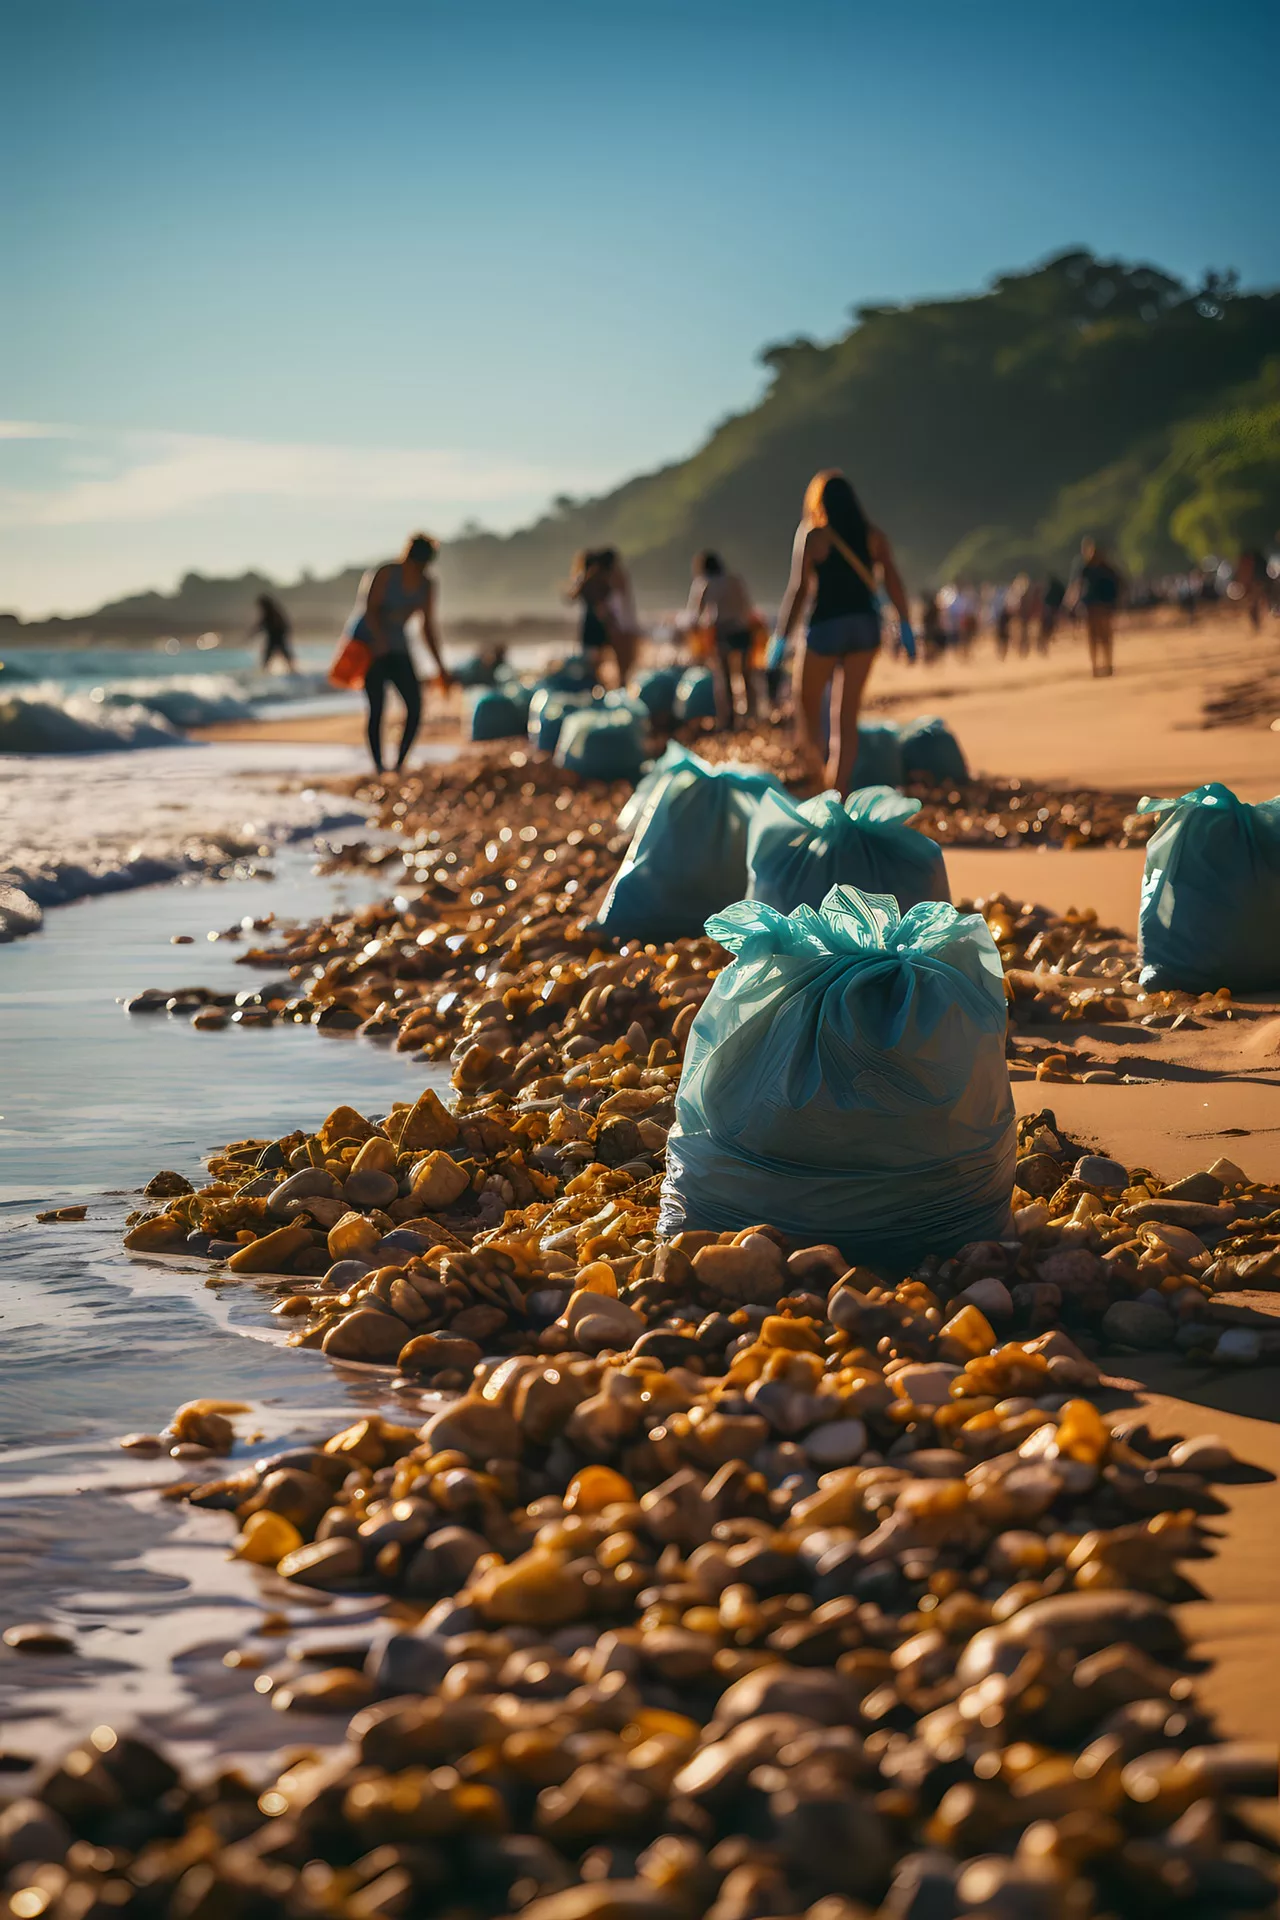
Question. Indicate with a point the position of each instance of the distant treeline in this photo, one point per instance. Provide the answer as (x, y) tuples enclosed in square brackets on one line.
[(986, 434)]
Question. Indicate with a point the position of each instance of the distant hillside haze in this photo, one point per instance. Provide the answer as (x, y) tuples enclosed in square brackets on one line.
[(985, 434)]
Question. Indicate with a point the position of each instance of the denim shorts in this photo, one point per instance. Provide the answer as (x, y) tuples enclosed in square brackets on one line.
[(847, 633)]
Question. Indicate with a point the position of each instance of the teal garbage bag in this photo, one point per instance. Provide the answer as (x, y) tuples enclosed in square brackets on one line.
[(601, 743), (546, 715), (496, 716), (617, 699), (573, 675), (696, 694), (798, 850), (688, 852), (656, 687), (879, 761), (931, 751), (845, 1081), (1210, 912), (479, 671)]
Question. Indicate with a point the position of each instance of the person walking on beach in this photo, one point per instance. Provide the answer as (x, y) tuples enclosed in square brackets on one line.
[(1054, 594), (624, 622), (837, 559), (389, 598), (719, 600), (933, 631), (273, 624), (1252, 581), (1097, 588), (591, 587)]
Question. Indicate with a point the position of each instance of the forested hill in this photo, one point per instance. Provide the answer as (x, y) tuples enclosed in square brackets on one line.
[(985, 433)]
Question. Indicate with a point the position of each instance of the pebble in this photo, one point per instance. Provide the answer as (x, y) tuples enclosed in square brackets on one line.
[(1135, 1323), (837, 1444), (1093, 1170), (35, 1637)]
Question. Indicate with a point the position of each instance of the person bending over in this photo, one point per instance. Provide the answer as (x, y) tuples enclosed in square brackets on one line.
[(390, 596), (273, 624)]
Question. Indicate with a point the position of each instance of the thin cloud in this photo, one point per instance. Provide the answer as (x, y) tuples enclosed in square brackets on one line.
[(34, 430), (166, 475)]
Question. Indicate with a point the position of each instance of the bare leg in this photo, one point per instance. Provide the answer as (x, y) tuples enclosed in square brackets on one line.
[(846, 702), (812, 673), (748, 684), (624, 653)]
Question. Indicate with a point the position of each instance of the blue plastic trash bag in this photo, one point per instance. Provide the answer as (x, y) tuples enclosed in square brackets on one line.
[(798, 850), (845, 1081), (879, 761), (1210, 914), (546, 715), (696, 694), (479, 671), (688, 853), (656, 687), (496, 716), (601, 743), (618, 700), (573, 675), (931, 751)]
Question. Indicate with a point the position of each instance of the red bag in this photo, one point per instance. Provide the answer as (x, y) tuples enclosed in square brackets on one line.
[(351, 663)]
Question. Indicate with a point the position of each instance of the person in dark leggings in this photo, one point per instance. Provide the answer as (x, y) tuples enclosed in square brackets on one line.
[(389, 598), (273, 624)]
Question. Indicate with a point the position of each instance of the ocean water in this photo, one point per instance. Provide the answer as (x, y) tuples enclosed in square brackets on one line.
[(95, 1343), (90, 699)]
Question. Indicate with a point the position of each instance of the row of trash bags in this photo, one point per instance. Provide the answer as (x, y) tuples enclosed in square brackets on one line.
[(703, 837), (1210, 910), (889, 754), (845, 1081)]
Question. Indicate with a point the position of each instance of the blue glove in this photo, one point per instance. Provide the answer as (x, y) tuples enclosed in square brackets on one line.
[(906, 635), (777, 652)]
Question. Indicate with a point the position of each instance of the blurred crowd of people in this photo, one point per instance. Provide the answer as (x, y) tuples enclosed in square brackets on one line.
[(1025, 614), (845, 602)]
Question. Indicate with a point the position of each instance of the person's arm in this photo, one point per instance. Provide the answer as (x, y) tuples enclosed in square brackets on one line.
[(801, 578), (431, 634), (882, 556)]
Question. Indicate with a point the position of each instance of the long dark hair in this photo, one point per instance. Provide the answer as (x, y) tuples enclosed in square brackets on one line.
[(830, 501)]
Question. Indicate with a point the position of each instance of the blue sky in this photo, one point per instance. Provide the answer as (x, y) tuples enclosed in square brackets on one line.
[(291, 275)]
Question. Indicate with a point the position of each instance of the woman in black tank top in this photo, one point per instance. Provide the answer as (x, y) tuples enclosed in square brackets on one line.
[(836, 561)]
